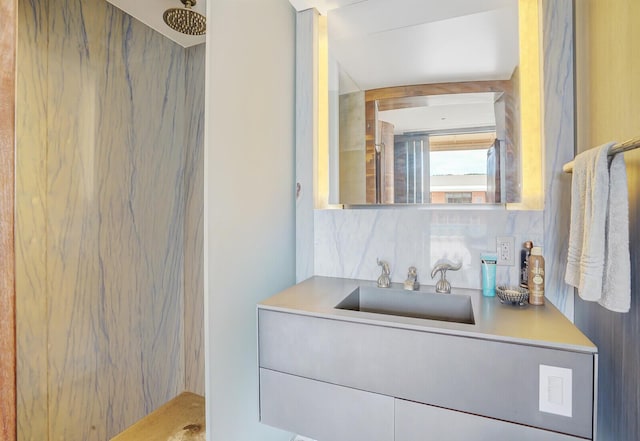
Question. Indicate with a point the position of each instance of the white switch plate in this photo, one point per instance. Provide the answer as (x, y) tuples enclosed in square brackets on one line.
[(556, 390), (505, 249)]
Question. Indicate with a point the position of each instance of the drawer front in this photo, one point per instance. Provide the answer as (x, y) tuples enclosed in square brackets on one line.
[(417, 422), (494, 379), (324, 412)]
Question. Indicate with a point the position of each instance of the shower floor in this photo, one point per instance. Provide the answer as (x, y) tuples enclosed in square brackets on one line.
[(181, 419)]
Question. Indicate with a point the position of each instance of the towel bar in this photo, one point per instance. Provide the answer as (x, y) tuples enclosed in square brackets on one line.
[(631, 144)]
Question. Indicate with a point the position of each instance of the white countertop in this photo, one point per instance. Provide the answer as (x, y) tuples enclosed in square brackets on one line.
[(543, 326)]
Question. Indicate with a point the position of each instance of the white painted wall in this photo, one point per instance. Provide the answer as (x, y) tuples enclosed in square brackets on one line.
[(249, 231)]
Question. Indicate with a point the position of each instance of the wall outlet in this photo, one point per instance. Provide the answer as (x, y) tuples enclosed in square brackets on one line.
[(505, 248)]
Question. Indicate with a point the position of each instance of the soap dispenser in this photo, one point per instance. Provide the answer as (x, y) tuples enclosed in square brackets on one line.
[(536, 277)]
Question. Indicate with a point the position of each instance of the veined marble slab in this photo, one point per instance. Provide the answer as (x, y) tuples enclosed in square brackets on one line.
[(348, 242), (559, 144), (193, 223), (101, 223)]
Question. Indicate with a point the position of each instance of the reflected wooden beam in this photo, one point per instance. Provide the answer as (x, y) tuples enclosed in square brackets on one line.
[(407, 95), (463, 141)]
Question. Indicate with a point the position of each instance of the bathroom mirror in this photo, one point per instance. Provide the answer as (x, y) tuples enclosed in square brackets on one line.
[(424, 102)]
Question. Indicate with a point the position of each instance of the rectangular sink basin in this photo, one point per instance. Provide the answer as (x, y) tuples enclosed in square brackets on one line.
[(417, 304)]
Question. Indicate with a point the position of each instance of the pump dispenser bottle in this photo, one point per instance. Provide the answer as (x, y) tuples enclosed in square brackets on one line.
[(536, 277)]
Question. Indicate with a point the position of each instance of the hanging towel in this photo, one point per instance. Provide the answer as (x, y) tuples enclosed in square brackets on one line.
[(598, 257), (616, 292)]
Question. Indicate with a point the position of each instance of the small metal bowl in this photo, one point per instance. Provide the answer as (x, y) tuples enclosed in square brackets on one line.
[(515, 295)]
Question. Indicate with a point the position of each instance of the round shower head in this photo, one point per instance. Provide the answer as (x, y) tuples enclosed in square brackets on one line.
[(186, 20)]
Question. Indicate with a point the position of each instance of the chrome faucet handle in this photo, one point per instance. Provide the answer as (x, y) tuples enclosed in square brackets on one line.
[(384, 281), (443, 267), (385, 266), (443, 285)]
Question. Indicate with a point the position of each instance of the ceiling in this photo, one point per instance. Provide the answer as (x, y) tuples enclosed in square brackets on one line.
[(383, 43), (444, 112), (150, 13), (321, 5)]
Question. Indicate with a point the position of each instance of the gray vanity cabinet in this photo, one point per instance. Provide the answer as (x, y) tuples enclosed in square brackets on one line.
[(324, 411), (421, 422), (341, 374), (328, 412)]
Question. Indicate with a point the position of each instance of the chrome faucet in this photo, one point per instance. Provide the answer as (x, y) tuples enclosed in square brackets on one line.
[(384, 281), (411, 284), (443, 285)]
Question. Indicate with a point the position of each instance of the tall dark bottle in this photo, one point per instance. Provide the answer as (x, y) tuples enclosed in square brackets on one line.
[(524, 264)]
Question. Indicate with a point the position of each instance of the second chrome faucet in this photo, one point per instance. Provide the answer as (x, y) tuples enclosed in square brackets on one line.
[(411, 284)]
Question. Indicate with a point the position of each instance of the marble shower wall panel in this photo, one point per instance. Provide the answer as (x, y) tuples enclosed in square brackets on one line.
[(115, 220), (193, 243), (101, 200), (347, 242), (30, 222)]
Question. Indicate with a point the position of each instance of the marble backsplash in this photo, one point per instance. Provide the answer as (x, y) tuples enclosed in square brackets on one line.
[(348, 242)]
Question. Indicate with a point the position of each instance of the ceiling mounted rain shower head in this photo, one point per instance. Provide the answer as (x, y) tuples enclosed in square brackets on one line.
[(186, 20)]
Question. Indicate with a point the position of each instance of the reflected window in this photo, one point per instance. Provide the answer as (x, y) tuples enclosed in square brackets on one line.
[(445, 169)]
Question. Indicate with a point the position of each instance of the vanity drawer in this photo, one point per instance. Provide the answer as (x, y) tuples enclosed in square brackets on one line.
[(491, 378), (324, 411), (414, 421)]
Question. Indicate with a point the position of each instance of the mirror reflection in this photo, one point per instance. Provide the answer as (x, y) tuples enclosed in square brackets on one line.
[(425, 105)]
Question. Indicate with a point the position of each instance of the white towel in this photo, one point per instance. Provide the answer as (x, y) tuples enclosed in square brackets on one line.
[(598, 258), (616, 293)]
